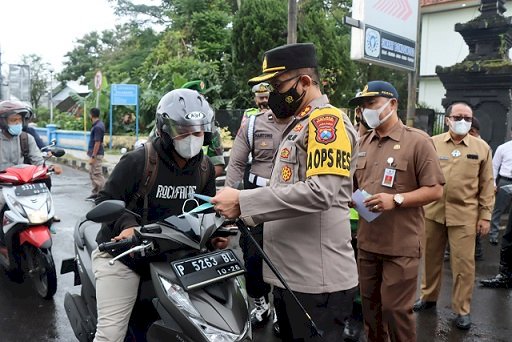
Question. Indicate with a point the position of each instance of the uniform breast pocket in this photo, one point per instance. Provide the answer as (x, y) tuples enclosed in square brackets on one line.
[(287, 167), (263, 149), (403, 181), (361, 163), (471, 168)]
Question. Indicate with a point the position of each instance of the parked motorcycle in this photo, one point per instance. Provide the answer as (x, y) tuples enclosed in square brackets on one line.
[(25, 240), (196, 295)]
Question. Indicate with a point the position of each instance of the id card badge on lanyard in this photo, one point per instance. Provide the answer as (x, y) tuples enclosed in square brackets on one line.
[(389, 174)]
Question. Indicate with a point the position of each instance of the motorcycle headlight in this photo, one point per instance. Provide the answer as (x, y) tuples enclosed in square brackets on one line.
[(214, 334), (181, 299)]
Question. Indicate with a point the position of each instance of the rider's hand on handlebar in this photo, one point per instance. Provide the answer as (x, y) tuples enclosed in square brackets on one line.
[(125, 234), (57, 169), (220, 242)]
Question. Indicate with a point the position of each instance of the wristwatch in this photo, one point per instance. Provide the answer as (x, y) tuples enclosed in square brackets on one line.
[(398, 199)]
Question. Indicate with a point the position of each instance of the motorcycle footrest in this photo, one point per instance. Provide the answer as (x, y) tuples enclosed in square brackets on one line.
[(82, 322)]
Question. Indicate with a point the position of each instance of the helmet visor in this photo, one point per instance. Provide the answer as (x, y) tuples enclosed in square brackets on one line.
[(194, 122)]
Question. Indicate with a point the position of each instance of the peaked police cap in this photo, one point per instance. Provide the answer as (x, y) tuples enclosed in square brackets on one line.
[(374, 89), (285, 58)]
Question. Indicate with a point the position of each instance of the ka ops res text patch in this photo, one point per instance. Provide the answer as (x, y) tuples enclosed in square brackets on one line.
[(329, 148)]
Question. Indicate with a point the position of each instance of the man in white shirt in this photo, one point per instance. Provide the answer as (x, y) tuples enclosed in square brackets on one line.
[(502, 170)]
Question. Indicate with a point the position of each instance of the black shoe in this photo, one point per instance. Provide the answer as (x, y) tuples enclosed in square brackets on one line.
[(493, 241), (499, 281), (275, 329), (91, 198), (421, 305), (463, 322)]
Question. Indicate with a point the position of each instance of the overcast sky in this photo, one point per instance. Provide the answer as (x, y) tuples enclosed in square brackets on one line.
[(49, 28)]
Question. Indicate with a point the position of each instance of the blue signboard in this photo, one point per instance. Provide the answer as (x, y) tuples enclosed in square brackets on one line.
[(124, 94)]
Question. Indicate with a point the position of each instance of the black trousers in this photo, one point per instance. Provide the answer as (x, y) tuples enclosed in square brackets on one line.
[(506, 249), (328, 311), (255, 285)]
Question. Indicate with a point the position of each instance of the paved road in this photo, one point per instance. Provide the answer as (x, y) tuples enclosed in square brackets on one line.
[(25, 317)]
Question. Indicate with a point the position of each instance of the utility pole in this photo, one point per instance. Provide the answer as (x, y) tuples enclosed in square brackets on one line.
[(51, 94), (292, 22), (412, 77)]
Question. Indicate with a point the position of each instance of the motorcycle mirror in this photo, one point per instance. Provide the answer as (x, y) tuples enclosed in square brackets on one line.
[(106, 211), (57, 152)]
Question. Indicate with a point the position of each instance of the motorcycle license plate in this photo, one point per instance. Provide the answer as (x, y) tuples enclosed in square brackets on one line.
[(30, 189), (207, 268)]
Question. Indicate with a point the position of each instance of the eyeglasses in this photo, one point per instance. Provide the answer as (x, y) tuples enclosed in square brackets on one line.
[(459, 118), (274, 86)]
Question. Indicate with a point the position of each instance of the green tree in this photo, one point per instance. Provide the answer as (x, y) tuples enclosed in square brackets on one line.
[(258, 26)]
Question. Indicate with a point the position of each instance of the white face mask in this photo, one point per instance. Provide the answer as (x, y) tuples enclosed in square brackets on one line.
[(372, 116), (189, 147), (461, 127)]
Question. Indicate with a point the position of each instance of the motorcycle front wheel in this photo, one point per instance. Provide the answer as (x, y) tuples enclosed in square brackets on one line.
[(41, 270)]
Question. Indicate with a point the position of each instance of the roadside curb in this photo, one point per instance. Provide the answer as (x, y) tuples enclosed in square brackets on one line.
[(82, 165)]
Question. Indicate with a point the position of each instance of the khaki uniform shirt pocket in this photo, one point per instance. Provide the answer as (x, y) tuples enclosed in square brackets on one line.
[(263, 149), (471, 169), (402, 182)]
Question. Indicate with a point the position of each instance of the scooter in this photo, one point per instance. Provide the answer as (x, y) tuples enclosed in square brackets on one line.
[(196, 295), (25, 240)]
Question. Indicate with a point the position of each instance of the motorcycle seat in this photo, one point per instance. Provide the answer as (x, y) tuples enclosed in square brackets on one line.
[(88, 232)]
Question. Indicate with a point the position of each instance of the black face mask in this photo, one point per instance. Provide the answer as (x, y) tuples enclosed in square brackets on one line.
[(285, 104)]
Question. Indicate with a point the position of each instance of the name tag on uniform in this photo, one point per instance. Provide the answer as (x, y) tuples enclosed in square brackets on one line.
[(472, 156), (389, 177), (443, 158)]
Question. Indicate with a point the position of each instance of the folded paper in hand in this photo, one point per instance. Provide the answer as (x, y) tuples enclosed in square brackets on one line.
[(358, 197)]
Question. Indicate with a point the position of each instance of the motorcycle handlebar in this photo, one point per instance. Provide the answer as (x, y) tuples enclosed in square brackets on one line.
[(118, 245)]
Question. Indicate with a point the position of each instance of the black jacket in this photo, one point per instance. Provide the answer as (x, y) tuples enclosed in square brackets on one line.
[(170, 189)]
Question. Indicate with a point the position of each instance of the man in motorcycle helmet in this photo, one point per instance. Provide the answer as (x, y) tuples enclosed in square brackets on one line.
[(13, 116), (184, 122)]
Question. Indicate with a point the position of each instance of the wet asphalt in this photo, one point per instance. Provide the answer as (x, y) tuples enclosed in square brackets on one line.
[(26, 317)]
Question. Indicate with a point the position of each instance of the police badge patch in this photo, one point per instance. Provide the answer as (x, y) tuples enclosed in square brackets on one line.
[(285, 153), (286, 173), (325, 127)]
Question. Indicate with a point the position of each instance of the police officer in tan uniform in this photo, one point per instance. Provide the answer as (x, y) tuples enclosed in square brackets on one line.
[(397, 167), (464, 211), (305, 207), (259, 137)]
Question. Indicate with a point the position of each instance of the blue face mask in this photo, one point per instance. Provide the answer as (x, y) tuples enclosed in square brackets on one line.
[(15, 130)]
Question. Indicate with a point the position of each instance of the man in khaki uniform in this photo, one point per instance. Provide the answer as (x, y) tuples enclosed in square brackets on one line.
[(305, 208), (259, 137), (464, 211), (397, 166)]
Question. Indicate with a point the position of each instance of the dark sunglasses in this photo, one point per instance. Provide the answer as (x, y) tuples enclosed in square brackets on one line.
[(459, 118)]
